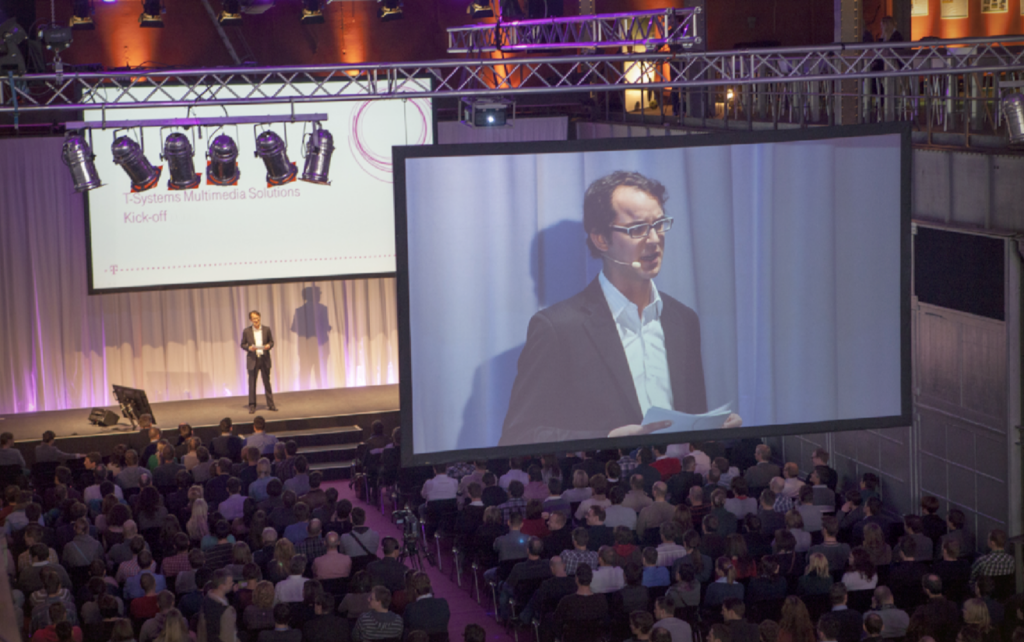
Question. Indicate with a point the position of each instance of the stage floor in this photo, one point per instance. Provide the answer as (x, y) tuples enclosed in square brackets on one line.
[(29, 427)]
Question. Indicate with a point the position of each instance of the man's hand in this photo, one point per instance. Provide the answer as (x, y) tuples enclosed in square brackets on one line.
[(733, 421), (633, 430), (252, 348)]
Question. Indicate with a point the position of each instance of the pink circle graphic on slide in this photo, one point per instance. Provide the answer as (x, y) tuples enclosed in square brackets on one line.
[(378, 163)]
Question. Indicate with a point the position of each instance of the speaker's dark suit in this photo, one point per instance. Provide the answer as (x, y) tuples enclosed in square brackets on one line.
[(258, 364), (574, 381)]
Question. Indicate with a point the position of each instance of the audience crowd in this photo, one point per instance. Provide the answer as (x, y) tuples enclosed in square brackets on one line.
[(173, 540)]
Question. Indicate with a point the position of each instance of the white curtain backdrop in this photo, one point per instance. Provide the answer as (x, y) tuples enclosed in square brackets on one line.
[(788, 252), (60, 348)]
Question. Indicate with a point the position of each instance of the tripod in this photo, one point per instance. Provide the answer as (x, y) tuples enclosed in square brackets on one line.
[(410, 550)]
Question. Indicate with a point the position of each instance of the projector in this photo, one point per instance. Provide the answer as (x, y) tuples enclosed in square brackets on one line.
[(483, 112)]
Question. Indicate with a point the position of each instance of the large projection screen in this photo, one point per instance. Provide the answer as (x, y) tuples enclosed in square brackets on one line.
[(249, 232), (783, 286)]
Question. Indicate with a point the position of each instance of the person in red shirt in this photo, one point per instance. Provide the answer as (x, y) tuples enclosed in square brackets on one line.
[(59, 630), (664, 464), (148, 605), (534, 524)]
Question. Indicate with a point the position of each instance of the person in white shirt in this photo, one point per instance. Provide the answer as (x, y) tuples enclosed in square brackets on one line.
[(739, 504), (257, 341), (608, 577), (668, 550), (515, 472), (441, 486), (290, 588)]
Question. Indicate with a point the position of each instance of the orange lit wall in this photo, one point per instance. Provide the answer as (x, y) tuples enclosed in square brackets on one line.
[(976, 24), (352, 33)]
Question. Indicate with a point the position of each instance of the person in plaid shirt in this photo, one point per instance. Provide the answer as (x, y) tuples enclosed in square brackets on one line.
[(516, 502), (178, 562), (996, 563), (313, 546), (579, 554)]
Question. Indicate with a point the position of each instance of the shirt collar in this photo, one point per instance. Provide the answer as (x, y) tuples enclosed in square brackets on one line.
[(620, 305)]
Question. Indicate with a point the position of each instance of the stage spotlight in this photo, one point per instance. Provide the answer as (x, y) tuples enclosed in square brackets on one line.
[(319, 148), (272, 150), (312, 12), (178, 154), (480, 9), (11, 35), (79, 159), (389, 10), (230, 13), (57, 39), (486, 112), (222, 168), (152, 14), (1013, 111), (132, 160), (81, 15)]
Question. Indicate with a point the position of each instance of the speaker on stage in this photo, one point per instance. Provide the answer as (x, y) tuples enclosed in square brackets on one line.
[(103, 417)]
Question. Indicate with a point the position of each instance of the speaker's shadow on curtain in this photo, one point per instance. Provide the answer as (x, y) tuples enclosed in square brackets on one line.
[(561, 267), (311, 325)]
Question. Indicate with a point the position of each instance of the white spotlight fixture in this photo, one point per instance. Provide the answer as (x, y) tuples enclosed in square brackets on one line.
[(274, 152), (78, 157), (1013, 111), (180, 165), (222, 167), (486, 112), (132, 159), (319, 148)]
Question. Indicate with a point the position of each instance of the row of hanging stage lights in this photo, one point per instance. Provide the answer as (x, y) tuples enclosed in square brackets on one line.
[(221, 168)]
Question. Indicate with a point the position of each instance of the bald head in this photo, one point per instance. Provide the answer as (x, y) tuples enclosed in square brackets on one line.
[(659, 490), (333, 540), (777, 484)]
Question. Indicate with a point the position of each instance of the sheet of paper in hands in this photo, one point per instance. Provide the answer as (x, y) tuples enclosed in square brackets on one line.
[(682, 422)]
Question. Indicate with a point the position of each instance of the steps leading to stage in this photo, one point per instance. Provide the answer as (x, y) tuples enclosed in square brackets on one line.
[(328, 449)]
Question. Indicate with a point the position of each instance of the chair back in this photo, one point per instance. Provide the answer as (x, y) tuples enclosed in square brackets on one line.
[(441, 514), (765, 610), (43, 473), (817, 605), (860, 601), (9, 475), (337, 586)]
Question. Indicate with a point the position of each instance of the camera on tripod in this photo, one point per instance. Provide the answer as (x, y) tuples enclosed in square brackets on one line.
[(409, 523)]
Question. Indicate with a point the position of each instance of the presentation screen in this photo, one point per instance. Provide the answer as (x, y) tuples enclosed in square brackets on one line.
[(249, 231), (616, 293)]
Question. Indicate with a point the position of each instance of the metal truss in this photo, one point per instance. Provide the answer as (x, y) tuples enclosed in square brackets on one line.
[(636, 28), (506, 77)]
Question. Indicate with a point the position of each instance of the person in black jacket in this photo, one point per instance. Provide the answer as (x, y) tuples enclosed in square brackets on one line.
[(427, 613), (325, 626)]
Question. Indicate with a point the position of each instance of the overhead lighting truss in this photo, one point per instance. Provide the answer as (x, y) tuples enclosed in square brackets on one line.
[(650, 29)]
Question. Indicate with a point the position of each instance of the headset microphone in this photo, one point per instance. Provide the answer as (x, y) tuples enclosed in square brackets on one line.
[(634, 264)]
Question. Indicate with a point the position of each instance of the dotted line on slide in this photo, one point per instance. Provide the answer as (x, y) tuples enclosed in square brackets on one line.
[(114, 269)]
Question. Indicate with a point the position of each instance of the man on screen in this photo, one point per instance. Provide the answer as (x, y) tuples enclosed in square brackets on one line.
[(257, 341), (595, 363)]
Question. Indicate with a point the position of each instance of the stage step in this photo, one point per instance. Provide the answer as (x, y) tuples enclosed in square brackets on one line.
[(334, 469), (327, 449)]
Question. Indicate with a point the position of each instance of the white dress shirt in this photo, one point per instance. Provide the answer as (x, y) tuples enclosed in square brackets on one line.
[(439, 487), (643, 340), (607, 579), (257, 338)]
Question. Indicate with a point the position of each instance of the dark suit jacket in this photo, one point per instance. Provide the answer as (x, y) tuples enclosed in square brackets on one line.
[(574, 381), (248, 339), (388, 572), (430, 614)]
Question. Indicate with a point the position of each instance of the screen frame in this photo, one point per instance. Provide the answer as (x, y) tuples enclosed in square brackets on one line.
[(91, 290), (402, 154)]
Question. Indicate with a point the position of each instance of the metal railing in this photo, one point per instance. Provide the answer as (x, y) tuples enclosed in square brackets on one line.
[(636, 28)]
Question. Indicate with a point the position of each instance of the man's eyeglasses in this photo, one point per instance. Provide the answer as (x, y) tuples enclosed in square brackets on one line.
[(641, 230)]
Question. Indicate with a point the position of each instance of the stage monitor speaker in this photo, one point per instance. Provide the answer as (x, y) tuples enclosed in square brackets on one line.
[(103, 417)]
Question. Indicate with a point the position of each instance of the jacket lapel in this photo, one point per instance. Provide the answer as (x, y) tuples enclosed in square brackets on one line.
[(600, 326)]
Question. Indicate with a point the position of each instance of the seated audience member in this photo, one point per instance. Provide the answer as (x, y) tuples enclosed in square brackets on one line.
[(427, 613), (633, 595), (334, 563), (905, 575), (260, 439), (48, 451), (259, 615), (938, 617), (600, 533), (724, 586), (636, 498), (685, 593), (516, 503), (228, 445), (640, 624), (769, 584), (377, 623), (362, 540), (860, 574), (290, 588), (894, 620), (281, 631), (953, 570), (997, 563), (579, 554), (555, 502), (740, 630), (654, 574), (616, 514), (493, 494), (583, 606), (325, 626), (933, 526), (388, 571), (912, 527), (534, 524), (874, 543), (608, 577), (598, 497), (837, 553), (299, 482), (850, 623), (817, 580)]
